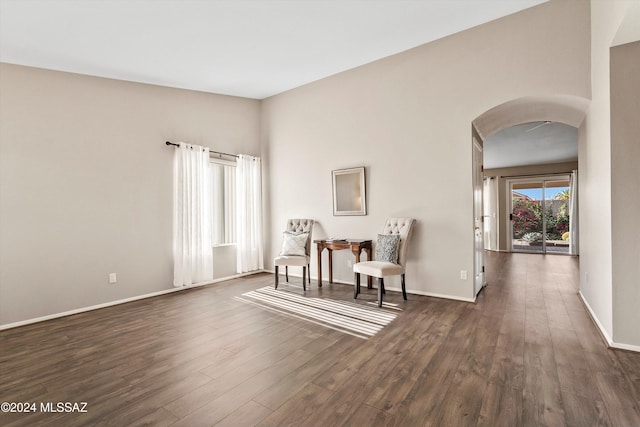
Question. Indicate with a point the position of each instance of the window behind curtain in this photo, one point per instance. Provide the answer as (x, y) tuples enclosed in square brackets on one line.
[(223, 202)]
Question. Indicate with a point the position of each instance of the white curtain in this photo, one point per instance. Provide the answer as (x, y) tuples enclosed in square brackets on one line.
[(249, 214), (490, 194), (574, 247), (192, 249)]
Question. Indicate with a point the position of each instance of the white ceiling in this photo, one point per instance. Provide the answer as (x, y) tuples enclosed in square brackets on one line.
[(255, 48), (531, 144), (249, 48)]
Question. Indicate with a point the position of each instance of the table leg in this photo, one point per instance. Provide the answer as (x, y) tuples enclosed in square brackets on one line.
[(319, 265), (369, 278), (330, 265), (356, 253)]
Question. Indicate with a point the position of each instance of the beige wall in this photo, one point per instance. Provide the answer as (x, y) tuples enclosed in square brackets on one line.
[(594, 154), (625, 182), (407, 119), (86, 184)]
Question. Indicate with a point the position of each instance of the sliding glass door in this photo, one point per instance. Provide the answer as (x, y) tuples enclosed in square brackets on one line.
[(526, 220), (540, 214)]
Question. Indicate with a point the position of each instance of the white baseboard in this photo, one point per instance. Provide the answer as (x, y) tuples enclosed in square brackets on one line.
[(444, 296), (120, 301), (427, 294), (609, 341), (430, 294), (628, 347), (592, 314)]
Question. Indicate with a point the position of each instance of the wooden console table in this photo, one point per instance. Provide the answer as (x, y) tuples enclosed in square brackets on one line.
[(356, 246)]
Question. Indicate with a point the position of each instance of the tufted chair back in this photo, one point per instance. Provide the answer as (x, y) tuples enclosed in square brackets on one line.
[(403, 227), (301, 225)]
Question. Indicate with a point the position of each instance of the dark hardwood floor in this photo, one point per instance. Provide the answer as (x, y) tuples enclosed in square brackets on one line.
[(527, 354)]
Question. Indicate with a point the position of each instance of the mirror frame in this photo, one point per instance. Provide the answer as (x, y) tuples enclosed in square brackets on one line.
[(361, 179)]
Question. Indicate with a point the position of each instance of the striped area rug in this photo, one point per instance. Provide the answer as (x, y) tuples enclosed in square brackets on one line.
[(344, 316)]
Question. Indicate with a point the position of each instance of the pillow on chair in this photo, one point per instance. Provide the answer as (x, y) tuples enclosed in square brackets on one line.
[(294, 243), (387, 247)]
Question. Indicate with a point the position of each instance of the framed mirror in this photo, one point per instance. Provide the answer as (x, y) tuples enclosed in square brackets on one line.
[(349, 192)]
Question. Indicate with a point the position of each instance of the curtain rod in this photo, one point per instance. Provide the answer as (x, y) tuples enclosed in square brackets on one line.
[(210, 151), (537, 175)]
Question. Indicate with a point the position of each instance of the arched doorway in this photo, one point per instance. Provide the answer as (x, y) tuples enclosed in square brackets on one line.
[(566, 109)]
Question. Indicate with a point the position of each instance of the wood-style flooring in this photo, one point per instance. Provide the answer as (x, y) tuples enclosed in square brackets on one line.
[(526, 354)]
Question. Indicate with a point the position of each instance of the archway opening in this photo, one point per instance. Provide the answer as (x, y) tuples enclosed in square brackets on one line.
[(523, 114)]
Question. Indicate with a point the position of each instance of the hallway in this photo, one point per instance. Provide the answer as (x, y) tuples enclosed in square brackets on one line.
[(551, 350)]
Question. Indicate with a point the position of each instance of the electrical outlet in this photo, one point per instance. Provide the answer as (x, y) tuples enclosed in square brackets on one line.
[(463, 274), (112, 278)]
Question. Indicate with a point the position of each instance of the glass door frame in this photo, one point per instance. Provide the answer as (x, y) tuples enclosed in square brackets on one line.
[(542, 179)]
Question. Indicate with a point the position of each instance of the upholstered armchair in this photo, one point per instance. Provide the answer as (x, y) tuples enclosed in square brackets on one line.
[(390, 256), (296, 249)]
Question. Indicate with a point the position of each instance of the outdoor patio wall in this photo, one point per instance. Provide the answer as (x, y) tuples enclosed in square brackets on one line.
[(407, 119), (86, 184)]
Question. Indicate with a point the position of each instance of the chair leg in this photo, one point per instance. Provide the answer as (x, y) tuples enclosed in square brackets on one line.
[(286, 273), (404, 290), (309, 272), (356, 285), (380, 290), (276, 277), (304, 278)]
